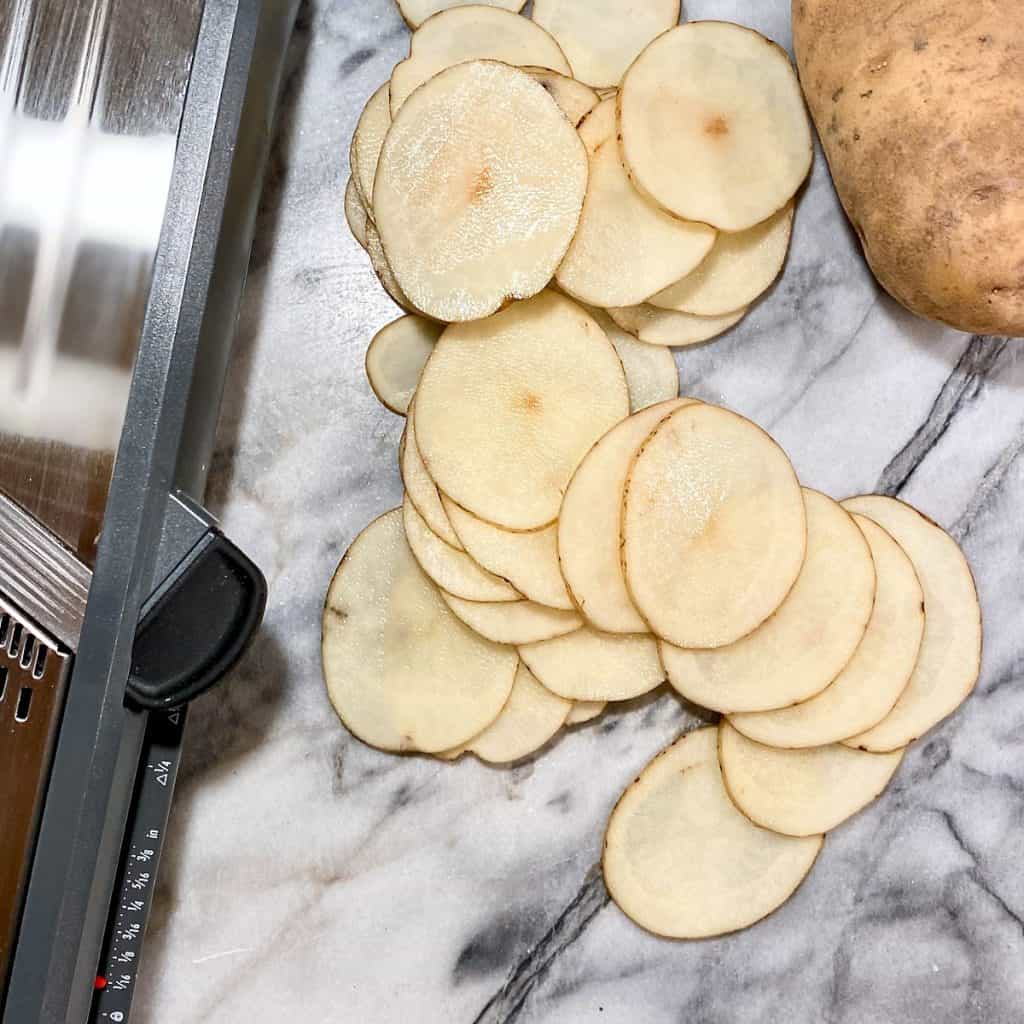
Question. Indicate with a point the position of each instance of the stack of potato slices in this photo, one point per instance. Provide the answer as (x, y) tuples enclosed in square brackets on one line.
[(574, 533)]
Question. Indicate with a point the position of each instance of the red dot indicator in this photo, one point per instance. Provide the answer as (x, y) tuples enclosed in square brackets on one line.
[(100, 983)]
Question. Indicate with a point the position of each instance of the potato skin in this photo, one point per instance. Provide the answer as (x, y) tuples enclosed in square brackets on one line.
[(920, 109)]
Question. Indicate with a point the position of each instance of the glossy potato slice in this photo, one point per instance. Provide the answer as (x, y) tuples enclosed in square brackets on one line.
[(950, 657), (478, 191), (703, 105), (396, 357), (507, 407), (801, 792), (681, 861), (713, 527), (809, 639), (401, 671)]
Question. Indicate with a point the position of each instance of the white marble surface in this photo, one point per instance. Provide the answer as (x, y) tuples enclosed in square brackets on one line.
[(311, 879)]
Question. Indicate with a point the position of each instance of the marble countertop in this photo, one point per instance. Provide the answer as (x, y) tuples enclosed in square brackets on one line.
[(309, 878)]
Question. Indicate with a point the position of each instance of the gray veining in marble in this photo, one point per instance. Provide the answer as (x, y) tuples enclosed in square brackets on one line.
[(311, 879)]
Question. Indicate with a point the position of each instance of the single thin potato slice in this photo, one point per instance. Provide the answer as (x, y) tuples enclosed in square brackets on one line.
[(713, 527), (682, 862), (585, 711), (529, 561), (589, 523), (866, 690), (656, 326), (587, 665), (602, 38), (651, 372), (507, 407), (402, 672), (574, 99), (801, 648), (478, 191), (420, 488), (531, 718), (367, 141), (950, 657), (739, 268), (396, 357), (801, 792), (513, 622), (381, 267), (625, 247), (355, 213), (453, 571), (416, 12), (713, 125), (472, 33)]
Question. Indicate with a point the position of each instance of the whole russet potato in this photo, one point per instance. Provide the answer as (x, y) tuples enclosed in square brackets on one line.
[(920, 108)]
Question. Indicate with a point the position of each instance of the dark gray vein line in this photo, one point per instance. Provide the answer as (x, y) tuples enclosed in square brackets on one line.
[(827, 365), (960, 387), (990, 485), (506, 1004), (975, 871)]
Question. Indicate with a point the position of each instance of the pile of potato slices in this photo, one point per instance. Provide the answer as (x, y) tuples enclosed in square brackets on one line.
[(509, 154), (574, 533)]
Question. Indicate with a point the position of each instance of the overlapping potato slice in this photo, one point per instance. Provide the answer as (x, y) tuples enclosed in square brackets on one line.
[(872, 681), (396, 357), (683, 862), (478, 190), (585, 711), (656, 326), (472, 33), (367, 141), (809, 639), (574, 99), (402, 672), (950, 657), (625, 248), (713, 125), (420, 488), (740, 267), (713, 528), (801, 792), (355, 213), (651, 372), (416, 12), (507, 407), (601, 38), (513, 622)]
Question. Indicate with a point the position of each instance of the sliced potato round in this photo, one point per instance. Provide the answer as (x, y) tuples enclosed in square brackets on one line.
[(651, 372), (700, 108), (805, 644), (589, 524), (513, 622), (602, 38), (740, 267), (396, 357), (683, 862), (507, 407), (574, 99), (453, 571), (478, 190), (656, 326), (585, 711), (587, 665), (367, 141), (872, 681), (420, 488), (355, 213), (402, 672), (801, 792), (472, 33), (530, 718), (416, 12), (528, 560), (950, 657), (381, 267), (625, 247), (713, 527)]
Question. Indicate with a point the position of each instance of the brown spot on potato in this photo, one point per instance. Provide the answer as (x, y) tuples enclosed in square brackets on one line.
[(529, 402), (483, 185), (716, 126), (837, 95), (867, 95), (920, 44)]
